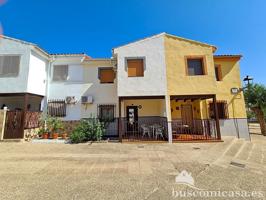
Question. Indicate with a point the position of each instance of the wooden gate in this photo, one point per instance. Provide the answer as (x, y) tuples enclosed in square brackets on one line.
[(14, 125)]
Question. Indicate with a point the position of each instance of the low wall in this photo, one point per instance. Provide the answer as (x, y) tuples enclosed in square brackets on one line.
[(235, 127), (30, 133), (111, 130), (69, 126)]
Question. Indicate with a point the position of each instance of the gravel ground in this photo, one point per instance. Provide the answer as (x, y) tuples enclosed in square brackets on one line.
[(131, 171)]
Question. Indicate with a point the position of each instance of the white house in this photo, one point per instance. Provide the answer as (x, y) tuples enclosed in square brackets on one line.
[(23, 72)]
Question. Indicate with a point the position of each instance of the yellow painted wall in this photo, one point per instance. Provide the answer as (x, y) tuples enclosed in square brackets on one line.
[(150, 107), (231, 78), (178, 82), (176, 108)]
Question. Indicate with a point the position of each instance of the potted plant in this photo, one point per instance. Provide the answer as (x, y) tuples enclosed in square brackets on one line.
[(43, 132), (63, 133), (54, 125)]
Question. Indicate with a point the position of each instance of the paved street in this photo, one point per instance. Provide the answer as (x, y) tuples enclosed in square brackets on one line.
[(129, 171)]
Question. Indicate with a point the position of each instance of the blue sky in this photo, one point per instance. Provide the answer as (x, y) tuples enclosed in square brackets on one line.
[(94, 27)]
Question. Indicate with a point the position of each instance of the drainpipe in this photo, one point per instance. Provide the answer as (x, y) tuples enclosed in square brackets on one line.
[(51, 60)]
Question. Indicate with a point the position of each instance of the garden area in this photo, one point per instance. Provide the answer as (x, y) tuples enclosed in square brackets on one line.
[(91, 129)]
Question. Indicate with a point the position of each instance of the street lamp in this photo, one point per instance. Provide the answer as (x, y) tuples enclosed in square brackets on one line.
[(248, 80)]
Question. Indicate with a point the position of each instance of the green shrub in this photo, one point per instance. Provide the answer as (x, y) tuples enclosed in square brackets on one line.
[(77, 136), (88, 130)]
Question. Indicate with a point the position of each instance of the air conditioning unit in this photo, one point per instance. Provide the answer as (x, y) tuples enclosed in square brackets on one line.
[(86, 99), (70, 100)]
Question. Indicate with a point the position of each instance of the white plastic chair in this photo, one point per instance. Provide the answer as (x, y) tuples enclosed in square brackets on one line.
[(145, 130), (159, 132)]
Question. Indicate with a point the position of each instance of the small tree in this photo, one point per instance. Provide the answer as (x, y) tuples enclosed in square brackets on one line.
[(255, 96)]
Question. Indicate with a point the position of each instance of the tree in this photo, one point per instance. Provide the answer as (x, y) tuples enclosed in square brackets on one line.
[(255, 96)]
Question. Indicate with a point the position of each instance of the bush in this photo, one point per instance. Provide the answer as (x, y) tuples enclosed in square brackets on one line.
[(77, 136), (88, 130)]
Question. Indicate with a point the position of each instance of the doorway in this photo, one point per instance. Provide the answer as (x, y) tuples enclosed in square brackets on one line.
[(132, 118), (187, 115)]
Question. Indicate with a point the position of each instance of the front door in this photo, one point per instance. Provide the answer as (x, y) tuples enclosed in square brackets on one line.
[(187, 115), (132, 118)]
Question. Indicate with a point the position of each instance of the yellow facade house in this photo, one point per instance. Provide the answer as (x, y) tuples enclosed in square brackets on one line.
[(180, 86)]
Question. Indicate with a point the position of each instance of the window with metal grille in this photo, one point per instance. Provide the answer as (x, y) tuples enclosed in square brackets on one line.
[(222, 110), (57, 108), (60, 72), (9, 65), (135, 67), (106, 113)]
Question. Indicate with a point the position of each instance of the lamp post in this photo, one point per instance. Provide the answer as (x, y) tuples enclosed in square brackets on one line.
[(248, 80)]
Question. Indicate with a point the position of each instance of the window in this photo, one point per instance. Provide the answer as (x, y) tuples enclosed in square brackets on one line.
[(60, 73), (57, 108), (195, 66), (135, 67), (9, 65), (106, 113), (222, 110), (106, 75), (218, 72)]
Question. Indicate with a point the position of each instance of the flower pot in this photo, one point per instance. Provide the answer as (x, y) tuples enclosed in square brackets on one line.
[(64, 135), (55, 135), (45, 136)]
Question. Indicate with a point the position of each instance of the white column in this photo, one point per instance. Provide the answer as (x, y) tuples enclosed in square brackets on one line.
[(169, 118), (2, 128)]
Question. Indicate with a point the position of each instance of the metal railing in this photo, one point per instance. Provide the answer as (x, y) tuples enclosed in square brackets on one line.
[(144, 129), (198, 129)]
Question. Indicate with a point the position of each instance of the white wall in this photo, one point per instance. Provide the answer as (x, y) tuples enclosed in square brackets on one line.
[(71, 87), (37, 74), (102, 93), (15, 84), (82, 81), (154, 80)]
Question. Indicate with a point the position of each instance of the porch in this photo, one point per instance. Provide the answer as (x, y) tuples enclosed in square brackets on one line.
[(21, 112), (148, 119), (190, 118), (142, 119)]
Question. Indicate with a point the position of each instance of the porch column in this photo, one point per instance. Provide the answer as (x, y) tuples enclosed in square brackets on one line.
[(216, 117), (25, 108), (119, 119), (169, 118)]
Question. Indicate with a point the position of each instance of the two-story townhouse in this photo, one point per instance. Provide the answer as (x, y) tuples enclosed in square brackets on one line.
[(23, 71), (177, 89), (80, 87), (159, 88)]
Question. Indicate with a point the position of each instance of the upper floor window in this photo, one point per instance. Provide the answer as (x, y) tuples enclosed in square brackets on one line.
[(195, 66), (106, 75), (60, 73), (9, 65), (135, 67), (218, 72)]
